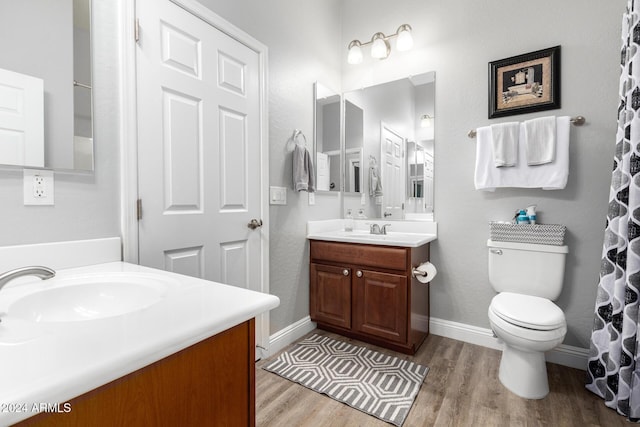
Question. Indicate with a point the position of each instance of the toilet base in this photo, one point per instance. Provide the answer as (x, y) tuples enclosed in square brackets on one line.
[(524, 372)]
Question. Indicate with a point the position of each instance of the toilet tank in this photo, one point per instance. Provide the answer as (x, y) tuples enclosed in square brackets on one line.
[(527, 268)]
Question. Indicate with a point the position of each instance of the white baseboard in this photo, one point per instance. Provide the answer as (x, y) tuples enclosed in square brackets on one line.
[(290, 334), (463, 332), (566, 355)]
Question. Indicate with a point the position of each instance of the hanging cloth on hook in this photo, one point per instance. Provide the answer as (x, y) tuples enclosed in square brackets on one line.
[(375, 180), (303, 171)]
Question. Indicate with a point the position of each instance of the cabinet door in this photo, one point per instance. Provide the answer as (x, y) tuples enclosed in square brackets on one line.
[(380, 305), (330, 299)]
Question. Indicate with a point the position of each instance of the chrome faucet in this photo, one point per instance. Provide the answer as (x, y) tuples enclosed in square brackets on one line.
[(378, 229), (42, 272)]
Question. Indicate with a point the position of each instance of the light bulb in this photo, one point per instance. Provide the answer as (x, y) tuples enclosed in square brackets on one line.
[(405, 40), (380, 48), (426, 121), (355, 53)]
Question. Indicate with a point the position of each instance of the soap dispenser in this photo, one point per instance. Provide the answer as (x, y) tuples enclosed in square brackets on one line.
[(531, 213), (522, 217), (348, 221)]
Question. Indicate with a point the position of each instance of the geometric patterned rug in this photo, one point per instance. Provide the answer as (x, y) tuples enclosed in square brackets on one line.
[(378, 384)]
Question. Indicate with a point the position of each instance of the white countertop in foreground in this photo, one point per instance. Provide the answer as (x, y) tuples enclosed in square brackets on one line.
[(55, 362)]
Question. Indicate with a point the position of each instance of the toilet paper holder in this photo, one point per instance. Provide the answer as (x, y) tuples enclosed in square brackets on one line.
[(425, 272), (415, 272)]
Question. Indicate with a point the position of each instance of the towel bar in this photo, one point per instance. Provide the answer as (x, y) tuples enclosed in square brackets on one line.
[(576, 121)]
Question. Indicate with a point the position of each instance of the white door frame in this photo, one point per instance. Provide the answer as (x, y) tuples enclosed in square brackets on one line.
[(129, 131)]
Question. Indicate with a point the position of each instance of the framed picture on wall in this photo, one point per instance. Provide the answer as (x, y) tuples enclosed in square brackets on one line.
[(525, 83)]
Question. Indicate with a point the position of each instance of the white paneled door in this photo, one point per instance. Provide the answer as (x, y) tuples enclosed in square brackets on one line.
[(201, 148), (21, 119), (392, 155)]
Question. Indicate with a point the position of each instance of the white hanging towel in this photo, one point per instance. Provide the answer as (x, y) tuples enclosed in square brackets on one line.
[(540, 140), (505, 143), (549, 176)]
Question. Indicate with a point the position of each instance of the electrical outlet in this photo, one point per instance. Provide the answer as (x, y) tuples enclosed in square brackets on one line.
[(38, 187)]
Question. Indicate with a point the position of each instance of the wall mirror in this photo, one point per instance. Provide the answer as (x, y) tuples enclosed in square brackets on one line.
[(328, 159), (397, 120), (46, 114), (353, 147)]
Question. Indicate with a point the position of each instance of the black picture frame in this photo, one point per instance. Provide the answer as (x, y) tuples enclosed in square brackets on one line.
[(525, 83)]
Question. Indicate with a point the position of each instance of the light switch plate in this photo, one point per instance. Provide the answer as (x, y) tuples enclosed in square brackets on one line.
[(312, 199), (277, 195), (38, 187)]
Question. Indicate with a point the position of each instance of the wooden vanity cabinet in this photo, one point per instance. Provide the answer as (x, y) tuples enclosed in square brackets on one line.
[(367, 292), (332, 296), (211, 383), (381, 308)]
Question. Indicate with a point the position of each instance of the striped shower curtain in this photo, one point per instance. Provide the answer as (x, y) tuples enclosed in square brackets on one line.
[(614, 370)]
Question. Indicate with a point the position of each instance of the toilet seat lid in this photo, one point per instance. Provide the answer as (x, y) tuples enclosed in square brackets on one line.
[(528, 311)]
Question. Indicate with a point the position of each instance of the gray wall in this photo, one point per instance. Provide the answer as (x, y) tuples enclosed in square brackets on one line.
[(86, 205), (458, 40)]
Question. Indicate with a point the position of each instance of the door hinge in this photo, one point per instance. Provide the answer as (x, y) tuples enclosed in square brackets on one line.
[(139, 209), (136, 30)]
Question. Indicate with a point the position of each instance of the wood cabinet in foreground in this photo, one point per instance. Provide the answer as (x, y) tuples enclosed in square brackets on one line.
[(211, 383)]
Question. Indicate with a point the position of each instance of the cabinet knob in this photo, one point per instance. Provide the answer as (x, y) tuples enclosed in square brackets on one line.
[(359, 273), (345, 272)]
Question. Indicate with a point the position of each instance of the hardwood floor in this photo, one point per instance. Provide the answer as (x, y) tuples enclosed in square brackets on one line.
[(461, 389)]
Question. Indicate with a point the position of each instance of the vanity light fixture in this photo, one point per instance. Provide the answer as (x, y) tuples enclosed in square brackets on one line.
[(380, 47), (426, 121)]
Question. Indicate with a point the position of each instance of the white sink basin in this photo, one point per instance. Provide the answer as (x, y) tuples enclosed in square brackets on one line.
[(392, 238), (89, 298)]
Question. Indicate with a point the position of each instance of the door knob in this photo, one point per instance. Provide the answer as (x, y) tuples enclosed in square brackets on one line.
[(359, 273), (345, 272), (254, 223)]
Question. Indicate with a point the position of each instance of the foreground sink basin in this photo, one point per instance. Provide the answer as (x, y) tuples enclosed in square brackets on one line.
[(89, 298)]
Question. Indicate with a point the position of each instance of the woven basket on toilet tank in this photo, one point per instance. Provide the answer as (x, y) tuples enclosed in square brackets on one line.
[(541, 234)]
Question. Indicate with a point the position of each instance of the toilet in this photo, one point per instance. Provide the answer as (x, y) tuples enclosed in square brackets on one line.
[(528, 278)]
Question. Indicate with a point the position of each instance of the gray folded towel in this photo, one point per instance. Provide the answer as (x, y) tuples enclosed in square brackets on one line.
[(304, 177), (375, 182)]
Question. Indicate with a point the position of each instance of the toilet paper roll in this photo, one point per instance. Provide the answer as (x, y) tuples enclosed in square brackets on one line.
[(425, 267)]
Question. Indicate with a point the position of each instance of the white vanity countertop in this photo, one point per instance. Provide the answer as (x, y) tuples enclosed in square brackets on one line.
[(54, 362), (400, 233)]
